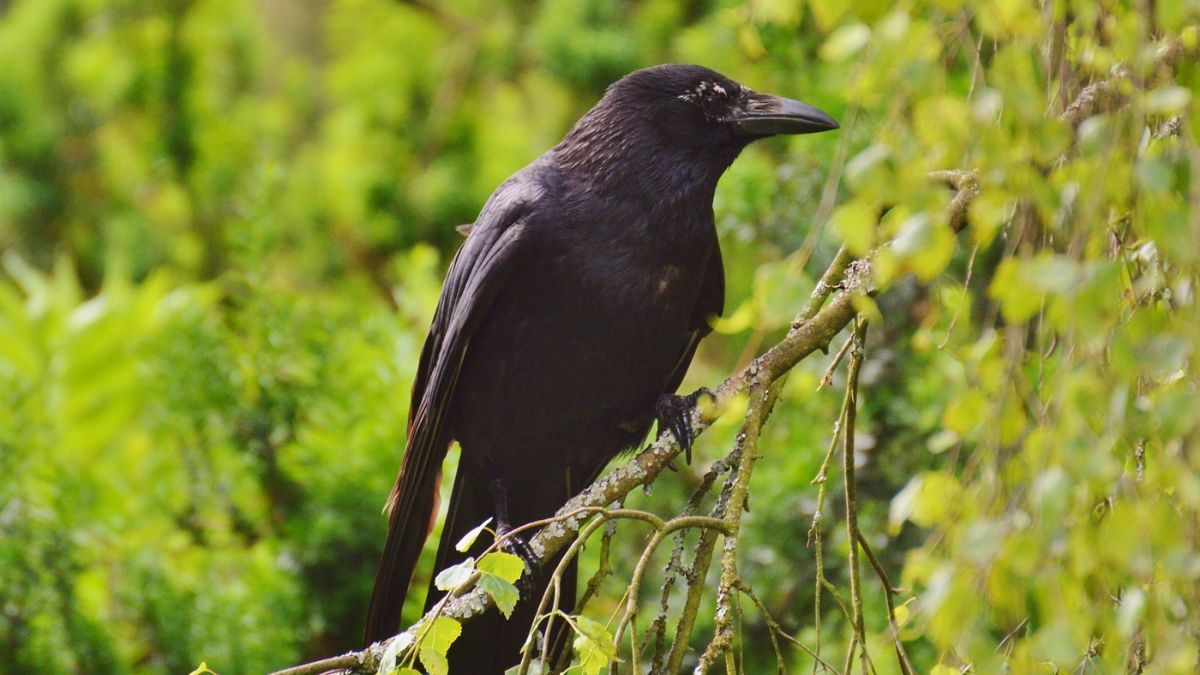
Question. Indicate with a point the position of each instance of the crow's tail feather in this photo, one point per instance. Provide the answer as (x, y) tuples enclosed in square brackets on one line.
[(491, 643)]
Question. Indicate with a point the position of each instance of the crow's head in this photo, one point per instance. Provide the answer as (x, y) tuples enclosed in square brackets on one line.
[(693, 104), (684, 114)]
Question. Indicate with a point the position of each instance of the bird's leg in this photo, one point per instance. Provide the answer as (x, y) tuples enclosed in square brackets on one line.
[(674, 414), (516, 544)]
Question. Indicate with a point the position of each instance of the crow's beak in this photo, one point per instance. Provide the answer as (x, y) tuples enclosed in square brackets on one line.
[(766, 115)]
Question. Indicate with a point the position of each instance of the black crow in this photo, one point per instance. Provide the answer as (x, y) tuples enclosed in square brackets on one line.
[(567, 320)]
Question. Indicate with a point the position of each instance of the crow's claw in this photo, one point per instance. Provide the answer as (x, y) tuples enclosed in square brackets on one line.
[(674, 414), (519, 546), (515, 544)]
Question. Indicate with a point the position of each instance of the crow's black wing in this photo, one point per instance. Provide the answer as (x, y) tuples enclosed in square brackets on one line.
[(477, 275), (709, 305)]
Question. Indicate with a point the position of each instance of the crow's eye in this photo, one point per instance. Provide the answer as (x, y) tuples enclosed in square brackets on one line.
[(710, 96)]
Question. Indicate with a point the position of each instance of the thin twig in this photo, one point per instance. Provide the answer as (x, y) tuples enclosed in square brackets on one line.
[(827, 378), (762, 399), (815, 540), (675, 565), (850, 485), (851, 491), (603, 569), (661, 527), (776, 629), (889, 591), (696, 576)]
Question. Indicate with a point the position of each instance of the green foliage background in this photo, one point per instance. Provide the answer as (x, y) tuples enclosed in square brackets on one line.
[(224, 227)]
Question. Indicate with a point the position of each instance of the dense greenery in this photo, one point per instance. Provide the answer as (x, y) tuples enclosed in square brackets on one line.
[(224, 227)]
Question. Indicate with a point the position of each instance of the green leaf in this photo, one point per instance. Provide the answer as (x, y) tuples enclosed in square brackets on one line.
[(1053, 273), (925, 245), (503, 592), (594, 645), (942, 120), (499, 571), (1155, 174), (441, 634), (965, 412), (926, 500), (454, 576), (469, 538), (504, 565), (987, 213), (855, 222), (867, 165), (828, 13), (387, 661), (1018, 302), (435, 663), (939, 491), (845, 42), (1167, 100), (902, 612), (867, 306)]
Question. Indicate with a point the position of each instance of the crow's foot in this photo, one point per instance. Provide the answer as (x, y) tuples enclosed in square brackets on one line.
[(518, 545), (674, 414)]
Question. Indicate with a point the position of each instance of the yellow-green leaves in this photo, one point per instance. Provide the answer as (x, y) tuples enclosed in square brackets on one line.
[(928, 500), (503, 593), (456, 575), (987, 213), (498, 574), (1015, 75), (1017, 293), (505, 566), (966, 412), (442, 633), (943, 125), (431, 644), (469, 538), (926, 246), (867, 167), (205, 418), (1005, 18), (845, 42), (1022, 284), (1167, 100), (855, 224), (388, 659), (827, 13), (593, 646)]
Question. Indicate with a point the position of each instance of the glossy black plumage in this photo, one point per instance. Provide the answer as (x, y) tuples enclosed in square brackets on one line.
[(576, 302)]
